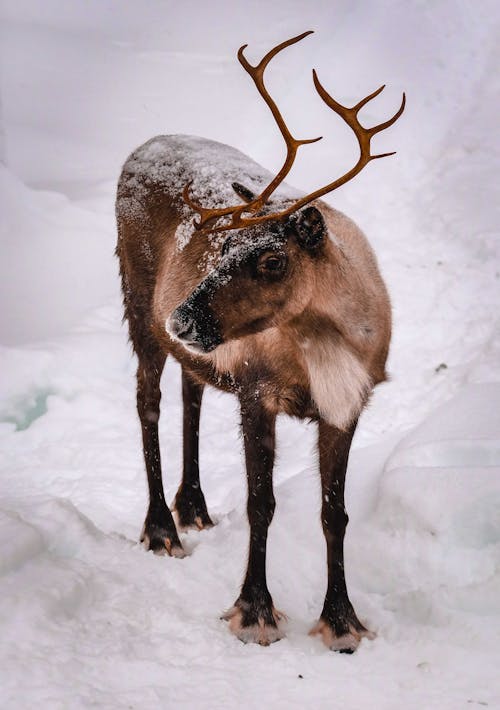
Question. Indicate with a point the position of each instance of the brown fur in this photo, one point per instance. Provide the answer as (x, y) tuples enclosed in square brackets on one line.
[(311, 342)]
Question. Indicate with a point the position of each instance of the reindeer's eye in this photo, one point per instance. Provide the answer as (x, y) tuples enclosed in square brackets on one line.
[(272, 264)]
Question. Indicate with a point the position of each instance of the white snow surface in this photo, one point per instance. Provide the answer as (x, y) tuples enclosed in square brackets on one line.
[(87, 617)]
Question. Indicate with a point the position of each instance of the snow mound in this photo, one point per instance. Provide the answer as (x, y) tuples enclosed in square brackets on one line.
[(463, 432), (58, 261)]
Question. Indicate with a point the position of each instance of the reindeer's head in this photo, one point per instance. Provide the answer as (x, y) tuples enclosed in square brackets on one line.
[(264, 276)]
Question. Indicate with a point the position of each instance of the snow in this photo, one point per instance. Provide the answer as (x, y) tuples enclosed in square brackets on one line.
[(87, 617), (174, 161)]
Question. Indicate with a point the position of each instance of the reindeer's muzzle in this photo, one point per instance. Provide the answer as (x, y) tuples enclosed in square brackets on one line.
[(194, 324)]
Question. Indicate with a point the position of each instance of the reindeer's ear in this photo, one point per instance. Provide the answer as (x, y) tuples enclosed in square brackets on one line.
[(244, 192), (310, 227)]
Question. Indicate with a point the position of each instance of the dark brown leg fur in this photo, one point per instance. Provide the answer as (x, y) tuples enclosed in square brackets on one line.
[(159, 533), (338, 625), (190, 501), (253, 617)]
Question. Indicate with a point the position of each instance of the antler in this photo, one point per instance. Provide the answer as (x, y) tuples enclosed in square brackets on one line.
[(292, 145), (364, 136), (348, 114)]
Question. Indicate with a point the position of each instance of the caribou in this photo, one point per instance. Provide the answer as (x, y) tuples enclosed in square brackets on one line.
[(278, 299)]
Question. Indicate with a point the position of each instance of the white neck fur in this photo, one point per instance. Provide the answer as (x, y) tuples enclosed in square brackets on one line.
[(339, 382)]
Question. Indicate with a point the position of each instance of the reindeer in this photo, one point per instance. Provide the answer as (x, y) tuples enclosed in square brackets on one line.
[(277, 299)]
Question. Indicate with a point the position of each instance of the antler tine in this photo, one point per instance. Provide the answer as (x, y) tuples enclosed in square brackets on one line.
[(271, 54), (364, 101), (390, 121), (382, 155), (350, 116)]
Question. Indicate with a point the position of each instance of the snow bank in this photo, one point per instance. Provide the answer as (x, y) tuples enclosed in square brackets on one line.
[(124, 627), (57, 261)]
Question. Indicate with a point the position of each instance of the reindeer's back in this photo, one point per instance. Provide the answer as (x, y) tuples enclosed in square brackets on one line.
[(155, 174)]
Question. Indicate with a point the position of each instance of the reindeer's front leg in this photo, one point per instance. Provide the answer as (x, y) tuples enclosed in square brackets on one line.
[(253, 617), (338, 625)]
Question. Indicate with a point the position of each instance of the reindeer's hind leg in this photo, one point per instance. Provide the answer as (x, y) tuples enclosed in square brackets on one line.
[(190, 501), (159, 532), (339, 626)]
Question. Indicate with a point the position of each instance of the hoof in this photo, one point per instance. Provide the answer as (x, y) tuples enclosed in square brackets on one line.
[(191, 509), (161, 541), (342, 643), (263, 631)]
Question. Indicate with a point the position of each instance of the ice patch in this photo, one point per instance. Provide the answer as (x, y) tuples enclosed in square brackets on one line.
[(25, 410)]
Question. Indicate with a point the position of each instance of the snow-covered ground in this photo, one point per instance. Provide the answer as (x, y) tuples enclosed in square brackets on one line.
[(87, 617)]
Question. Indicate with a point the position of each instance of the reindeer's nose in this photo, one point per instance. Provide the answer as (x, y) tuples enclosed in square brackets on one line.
[(195, 325), (181, 327)]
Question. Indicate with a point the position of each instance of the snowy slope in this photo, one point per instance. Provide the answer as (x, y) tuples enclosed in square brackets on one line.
[(87, 617)]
